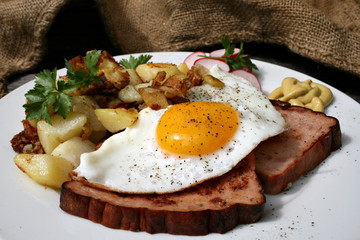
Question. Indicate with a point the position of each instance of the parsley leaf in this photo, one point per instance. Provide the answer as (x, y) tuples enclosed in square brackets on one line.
[(240, 61), (229, 48), (133, 62), (51, 93), (91, 60), (45, 94), (81, 77), (62, 105)]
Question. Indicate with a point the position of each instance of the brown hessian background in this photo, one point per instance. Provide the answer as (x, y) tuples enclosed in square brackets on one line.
[(318, 37)]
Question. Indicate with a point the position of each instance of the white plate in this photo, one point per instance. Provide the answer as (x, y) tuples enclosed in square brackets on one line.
[(322, 205)]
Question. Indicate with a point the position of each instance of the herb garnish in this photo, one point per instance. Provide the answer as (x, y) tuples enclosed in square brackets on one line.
[(133, 62), (81, 77), (49, 92), (240, 61)]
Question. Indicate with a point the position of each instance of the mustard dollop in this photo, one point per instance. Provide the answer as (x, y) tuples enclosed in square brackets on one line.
[(305, 94)]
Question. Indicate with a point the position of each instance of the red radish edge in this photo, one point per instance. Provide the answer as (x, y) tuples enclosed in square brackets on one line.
[(194, 58), (221, 52), (209, 62), (248, 76), (190, 60)]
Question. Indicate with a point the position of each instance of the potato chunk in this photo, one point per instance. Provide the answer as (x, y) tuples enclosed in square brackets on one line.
[(129, 95), (86, 105), (115, 77), (134, 78), (45, 169), (117, 119), (154, 98), (72, 149), (207, 77), (148, 71), (51, 136)]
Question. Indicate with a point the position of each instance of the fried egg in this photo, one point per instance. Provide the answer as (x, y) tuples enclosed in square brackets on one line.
[(185, 144)]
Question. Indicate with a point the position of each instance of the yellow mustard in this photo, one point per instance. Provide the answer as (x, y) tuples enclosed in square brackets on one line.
[(305, 94)]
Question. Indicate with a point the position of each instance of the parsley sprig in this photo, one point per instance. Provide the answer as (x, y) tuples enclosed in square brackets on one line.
[(78, 78), (133, 62), (51, 93), (240, 61)]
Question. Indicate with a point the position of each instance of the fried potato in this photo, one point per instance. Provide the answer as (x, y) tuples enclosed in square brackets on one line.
[(115, 77), (178, 83), (134, 78), (183, 68), (107, 61), (129, 95), (154, 98), (207, 77), (45, 169), (117, 119), (72, 149), (51, 136), (148, 71), (86, 105)]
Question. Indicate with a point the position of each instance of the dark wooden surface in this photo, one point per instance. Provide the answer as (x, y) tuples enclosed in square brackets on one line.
[(79, 28)]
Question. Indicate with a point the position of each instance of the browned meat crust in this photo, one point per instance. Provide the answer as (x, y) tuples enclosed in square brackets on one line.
[(216, 205), (311, 137), (27, 141)]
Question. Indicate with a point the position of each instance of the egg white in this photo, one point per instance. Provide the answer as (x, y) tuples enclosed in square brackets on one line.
[(132, 162)]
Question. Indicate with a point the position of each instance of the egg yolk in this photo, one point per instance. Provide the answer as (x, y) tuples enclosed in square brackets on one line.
[(195, 128)]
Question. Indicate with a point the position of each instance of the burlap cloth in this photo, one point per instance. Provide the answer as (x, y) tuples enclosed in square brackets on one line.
[(327, 31)]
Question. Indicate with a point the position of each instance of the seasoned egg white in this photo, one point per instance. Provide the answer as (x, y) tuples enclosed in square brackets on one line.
[(132, 161)]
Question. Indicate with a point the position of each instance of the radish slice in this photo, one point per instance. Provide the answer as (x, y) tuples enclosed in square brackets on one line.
[(190, 60), (208, 63), (248, 76), (221, 52)]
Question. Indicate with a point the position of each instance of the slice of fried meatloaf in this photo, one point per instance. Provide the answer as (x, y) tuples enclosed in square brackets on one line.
[(217, 205), (310, 139)]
